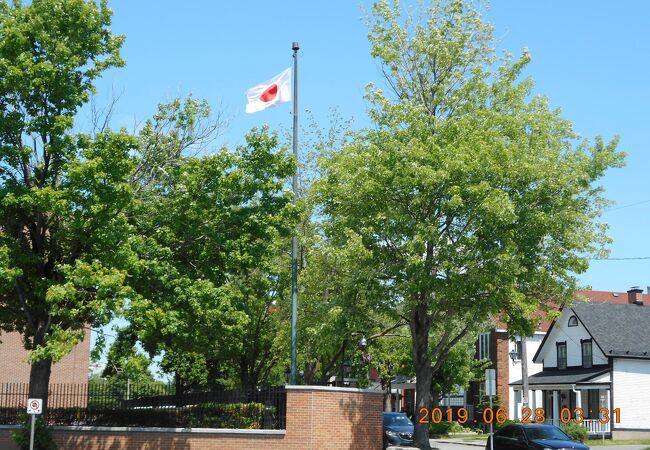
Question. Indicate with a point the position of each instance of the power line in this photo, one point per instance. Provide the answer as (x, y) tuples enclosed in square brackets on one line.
[(620, 259), (627, 206)]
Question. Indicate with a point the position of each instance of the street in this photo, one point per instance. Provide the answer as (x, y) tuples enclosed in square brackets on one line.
[(446, 444)]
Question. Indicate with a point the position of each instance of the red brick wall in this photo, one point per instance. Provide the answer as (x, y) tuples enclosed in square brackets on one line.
[(500, 359), (73, 368), (318, 418)]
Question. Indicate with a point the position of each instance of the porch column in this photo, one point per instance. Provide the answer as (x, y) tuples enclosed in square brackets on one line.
[(533, 400), (556, 408), (579, 399), (539, 399)]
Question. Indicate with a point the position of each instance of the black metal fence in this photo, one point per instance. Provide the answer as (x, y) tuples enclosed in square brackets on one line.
[(156, 405)]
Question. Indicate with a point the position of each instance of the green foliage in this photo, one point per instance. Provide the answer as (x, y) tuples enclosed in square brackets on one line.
[(506, 423), (207, 243), (576, 431), (63, 229), (471, 196), (43, 439), (208, 415), (439, 429)]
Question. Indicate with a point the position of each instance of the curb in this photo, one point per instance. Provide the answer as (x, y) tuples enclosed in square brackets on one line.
[(472, 443)]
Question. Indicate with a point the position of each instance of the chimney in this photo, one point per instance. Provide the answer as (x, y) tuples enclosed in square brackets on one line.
[(635, 296)]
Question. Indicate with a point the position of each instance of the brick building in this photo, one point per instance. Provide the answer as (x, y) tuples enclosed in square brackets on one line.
[(73, 368)]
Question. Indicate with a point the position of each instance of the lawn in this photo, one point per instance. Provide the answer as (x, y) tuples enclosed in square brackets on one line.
[(591, 442)]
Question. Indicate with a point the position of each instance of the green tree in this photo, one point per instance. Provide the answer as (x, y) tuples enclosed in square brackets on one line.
[(471, 194), (208, 231), (62, 196)]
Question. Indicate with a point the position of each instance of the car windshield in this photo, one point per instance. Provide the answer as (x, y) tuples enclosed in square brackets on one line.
[(397, 419), (546, 433)]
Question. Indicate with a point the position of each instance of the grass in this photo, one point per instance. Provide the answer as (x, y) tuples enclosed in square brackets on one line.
[(591, 442)]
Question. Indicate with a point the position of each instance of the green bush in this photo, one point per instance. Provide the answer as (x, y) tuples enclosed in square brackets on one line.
[(43, 439), (575, 431), (498, 425), (455, 427), (207, 415), (439, 428)]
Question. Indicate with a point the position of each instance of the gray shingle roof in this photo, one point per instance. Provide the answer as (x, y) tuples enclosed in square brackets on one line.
[(618, 329), (569, 376)]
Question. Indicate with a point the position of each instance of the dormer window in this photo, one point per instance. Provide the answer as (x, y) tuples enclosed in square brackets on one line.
[(573, 321)]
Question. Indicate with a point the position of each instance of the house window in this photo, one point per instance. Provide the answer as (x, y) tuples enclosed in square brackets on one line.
[(573, 321), (561, 355), (587, 354), (484, 346)]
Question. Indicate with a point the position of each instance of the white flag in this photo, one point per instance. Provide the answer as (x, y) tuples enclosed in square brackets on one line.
[(277, 89)]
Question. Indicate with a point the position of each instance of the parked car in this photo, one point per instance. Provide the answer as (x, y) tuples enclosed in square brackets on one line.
[(533, 436), (398, 429)]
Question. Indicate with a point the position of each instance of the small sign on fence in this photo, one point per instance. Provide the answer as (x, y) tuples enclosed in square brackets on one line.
[(34, 406)]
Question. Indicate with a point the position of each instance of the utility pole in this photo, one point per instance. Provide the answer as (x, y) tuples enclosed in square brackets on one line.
[(294, 241), (524, 374)]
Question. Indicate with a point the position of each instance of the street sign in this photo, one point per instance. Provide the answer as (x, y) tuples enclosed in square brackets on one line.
[(34, 406), (490, 382)]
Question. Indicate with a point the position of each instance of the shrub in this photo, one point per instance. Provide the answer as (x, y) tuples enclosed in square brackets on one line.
[(207, 415), (498, 425), (439, 428), (43, 439), (575, 431)]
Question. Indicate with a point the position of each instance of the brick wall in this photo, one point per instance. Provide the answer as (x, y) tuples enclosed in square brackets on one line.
[(73, 368), (318, 418), (501, 364)]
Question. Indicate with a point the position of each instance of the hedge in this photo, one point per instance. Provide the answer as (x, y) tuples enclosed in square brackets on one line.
[(207, 415)]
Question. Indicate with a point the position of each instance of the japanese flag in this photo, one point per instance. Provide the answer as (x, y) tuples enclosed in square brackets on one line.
[(277, 89)]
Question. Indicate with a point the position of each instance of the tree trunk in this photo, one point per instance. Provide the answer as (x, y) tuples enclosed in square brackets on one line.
[(39, 380), (420, 326), (388, 398)]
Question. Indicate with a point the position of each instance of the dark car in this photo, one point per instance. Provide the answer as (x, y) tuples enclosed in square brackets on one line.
[(533, 436), (398, 429)]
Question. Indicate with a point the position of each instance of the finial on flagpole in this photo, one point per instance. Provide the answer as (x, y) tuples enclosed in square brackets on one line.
[(295, 47)]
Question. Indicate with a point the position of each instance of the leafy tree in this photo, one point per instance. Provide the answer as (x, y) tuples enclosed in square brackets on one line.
[(124, 362), (63, 231), (207, 235), (470, 193)]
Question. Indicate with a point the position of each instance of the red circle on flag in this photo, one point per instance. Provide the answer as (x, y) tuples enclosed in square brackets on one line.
[(270, 93)]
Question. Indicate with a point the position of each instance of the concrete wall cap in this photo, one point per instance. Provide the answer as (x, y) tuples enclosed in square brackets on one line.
[(291, 387)]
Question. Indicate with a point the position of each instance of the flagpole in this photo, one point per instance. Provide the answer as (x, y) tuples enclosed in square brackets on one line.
[(294, 241)]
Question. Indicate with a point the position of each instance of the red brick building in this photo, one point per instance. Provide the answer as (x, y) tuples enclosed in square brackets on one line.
[(14, 366)]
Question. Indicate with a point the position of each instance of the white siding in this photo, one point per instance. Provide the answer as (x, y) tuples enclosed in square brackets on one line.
[(515, 374), (631, 379), (572, 335), (514, 367)]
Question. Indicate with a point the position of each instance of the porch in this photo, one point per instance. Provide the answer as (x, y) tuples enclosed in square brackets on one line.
[(581, 396)]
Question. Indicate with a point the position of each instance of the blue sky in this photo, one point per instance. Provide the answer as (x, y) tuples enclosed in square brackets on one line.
[(590, 58)]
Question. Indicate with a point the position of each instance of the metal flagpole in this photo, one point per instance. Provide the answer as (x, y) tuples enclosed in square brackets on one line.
[(294, 241)]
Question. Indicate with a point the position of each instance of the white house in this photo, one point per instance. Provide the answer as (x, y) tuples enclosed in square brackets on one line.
[(596, 363)]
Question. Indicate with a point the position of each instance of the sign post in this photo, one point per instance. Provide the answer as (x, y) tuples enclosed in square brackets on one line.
[(34, 406), (490, 390)]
